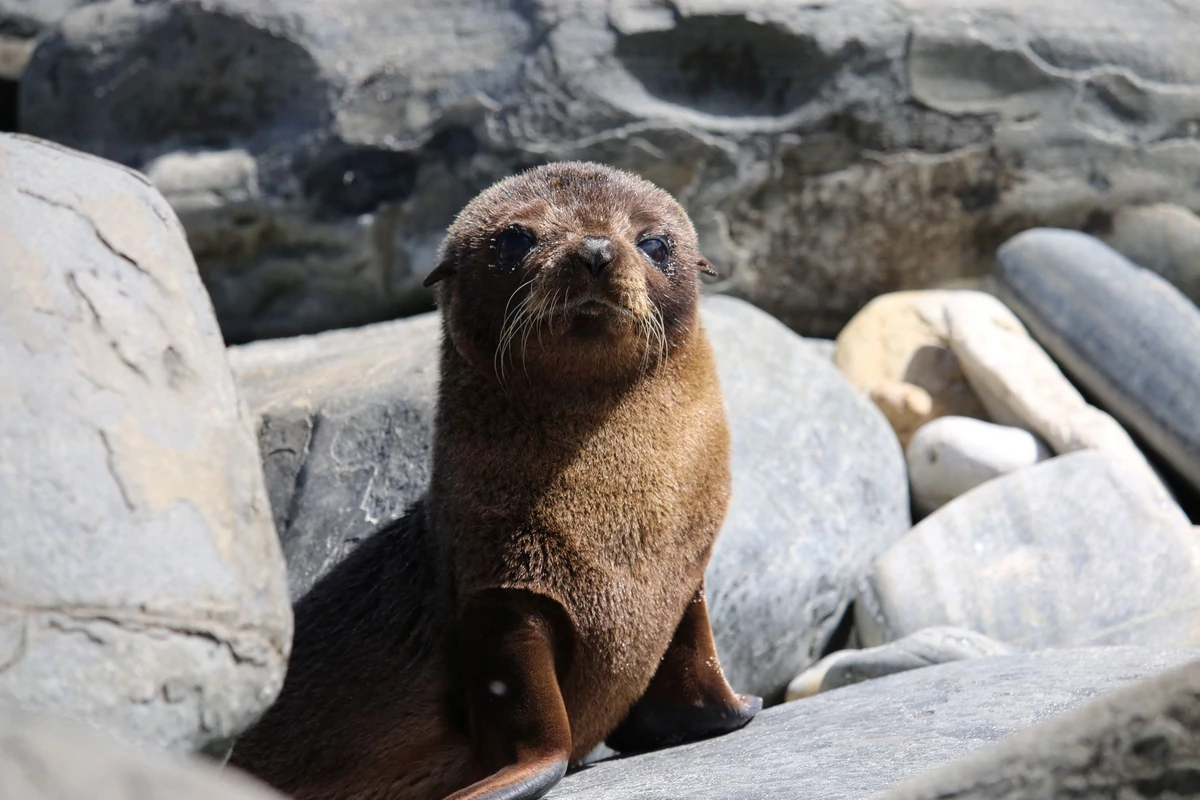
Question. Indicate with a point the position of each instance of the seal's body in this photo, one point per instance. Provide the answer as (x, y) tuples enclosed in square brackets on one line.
[(547, 594)]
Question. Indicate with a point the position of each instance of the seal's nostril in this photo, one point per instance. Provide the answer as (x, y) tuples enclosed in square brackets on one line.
[(596, 252)]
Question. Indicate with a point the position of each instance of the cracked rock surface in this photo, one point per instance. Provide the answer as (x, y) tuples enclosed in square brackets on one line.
[(859, 740), (345, 419), (1142, 741), (828, 152), (141, 585)]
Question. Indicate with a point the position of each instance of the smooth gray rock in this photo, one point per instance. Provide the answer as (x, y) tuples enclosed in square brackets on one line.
[(828, 152), (1141, 741), (141, 584), (42, 758), (819, 485), (866, 738), (820, 490), (1075, 551), (926, 647), (1130, 337)]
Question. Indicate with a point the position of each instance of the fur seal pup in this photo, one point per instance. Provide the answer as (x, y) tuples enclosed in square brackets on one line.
[(548, 592)]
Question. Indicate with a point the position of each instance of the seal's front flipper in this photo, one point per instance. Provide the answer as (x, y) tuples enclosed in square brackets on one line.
[(514, 644), (688, 697)]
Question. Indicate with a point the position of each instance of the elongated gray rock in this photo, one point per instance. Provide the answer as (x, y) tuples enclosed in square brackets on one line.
[(1074, 551), (926, 647), (867, 738), (820, 487), (1130, 337), (42, 758), (141, 584), (828, 152), (1141, 741)]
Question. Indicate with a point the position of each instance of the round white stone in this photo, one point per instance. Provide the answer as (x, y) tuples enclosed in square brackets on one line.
[(952, 455)]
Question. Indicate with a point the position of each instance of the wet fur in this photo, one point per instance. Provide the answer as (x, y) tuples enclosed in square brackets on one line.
[(582, 458)]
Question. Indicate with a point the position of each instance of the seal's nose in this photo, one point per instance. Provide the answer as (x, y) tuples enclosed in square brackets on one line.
[(596, 252)]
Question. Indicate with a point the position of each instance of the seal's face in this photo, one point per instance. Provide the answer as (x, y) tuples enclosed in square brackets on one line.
[(571, 270)]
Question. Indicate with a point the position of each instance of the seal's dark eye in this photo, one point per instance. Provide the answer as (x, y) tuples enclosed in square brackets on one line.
[(656, 249), (511, 247)]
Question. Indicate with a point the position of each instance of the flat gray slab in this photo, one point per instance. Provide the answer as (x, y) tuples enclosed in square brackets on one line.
[(866, 738), (1076, 551)]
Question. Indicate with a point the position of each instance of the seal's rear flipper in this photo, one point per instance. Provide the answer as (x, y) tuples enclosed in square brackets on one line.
[(688, 698)]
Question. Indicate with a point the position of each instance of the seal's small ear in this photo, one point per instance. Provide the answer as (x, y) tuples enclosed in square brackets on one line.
[(703, 266), (440, 272)]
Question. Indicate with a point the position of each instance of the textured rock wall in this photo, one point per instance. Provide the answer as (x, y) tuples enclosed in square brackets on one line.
[(827, 151)]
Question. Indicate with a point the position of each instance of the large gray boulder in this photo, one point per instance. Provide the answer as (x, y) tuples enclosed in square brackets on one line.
[(863, 739), (50, 759), (828, 152), (819, 482), (1142, 741), (141, 584)]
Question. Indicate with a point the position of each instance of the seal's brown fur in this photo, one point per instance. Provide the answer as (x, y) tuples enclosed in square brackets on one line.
[(580, 475)]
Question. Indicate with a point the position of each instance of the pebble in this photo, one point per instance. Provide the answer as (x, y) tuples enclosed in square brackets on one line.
[(952, 455)]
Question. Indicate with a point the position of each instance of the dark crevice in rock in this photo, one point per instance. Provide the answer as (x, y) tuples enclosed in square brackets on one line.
[(843, 635), (110, 461), (356, 181), (8, 106)]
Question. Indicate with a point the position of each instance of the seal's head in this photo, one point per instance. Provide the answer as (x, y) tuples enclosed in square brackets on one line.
[(569, 271)]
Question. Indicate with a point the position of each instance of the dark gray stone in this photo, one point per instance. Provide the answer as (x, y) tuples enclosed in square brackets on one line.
[(928, 646), (1141, 741), (866, 738), (344, 421), (828, 152), (819, 486), (141, 584), (1130, 337), (1074, 551), (42, 758)]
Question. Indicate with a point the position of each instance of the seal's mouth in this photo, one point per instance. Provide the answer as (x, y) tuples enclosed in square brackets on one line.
[(595, 306)]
